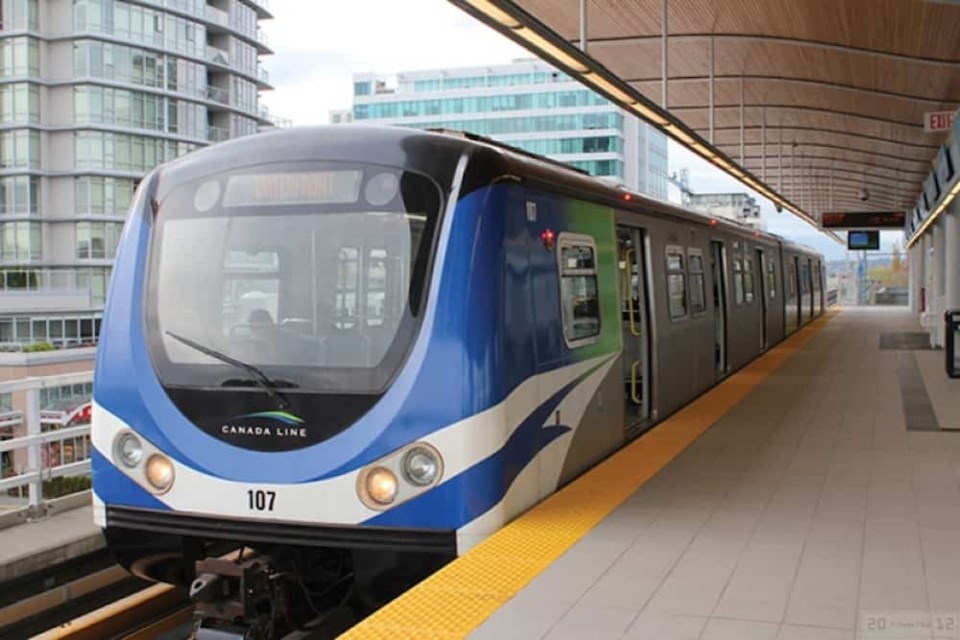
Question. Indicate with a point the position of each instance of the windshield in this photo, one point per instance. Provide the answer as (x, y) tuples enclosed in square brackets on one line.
[(313, 274)]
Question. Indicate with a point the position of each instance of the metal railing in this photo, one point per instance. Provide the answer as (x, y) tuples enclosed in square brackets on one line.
[(832, 297), (40, 456), (217, 134), (218, 94)]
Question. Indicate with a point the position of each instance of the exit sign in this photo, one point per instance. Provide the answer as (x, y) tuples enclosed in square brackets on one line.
[(937, 121)]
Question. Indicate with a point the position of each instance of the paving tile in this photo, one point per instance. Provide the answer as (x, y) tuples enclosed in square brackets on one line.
[(593, 622), (724, 629), (661, 626)]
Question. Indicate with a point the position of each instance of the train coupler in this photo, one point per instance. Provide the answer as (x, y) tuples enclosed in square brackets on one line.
[(238, 600)]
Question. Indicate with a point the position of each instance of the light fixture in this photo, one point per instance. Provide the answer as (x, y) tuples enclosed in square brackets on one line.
[(159, 473), (494, 12), (421, 466), (380, 486), (128, 450), (550, 49)]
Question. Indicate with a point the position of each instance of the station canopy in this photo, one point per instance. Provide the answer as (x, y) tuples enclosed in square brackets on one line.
[(815, 104)]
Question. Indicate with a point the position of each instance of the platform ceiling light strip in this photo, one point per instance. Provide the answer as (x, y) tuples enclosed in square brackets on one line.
[(574, 62), (947, 199)]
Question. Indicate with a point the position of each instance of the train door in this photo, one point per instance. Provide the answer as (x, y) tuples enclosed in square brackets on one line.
[(718, 268), (762, 265), (634, 324)]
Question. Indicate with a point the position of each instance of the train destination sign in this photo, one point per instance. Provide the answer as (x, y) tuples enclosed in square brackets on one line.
[(864, 220)]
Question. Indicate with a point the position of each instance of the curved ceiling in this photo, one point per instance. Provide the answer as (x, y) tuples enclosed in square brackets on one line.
[(812, 99)]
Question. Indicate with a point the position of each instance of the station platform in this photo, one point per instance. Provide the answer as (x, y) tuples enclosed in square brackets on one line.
[(34, 546), (815, 494)]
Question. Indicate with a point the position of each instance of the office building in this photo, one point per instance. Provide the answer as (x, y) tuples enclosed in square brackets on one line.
[(93, 95), (527, 104)]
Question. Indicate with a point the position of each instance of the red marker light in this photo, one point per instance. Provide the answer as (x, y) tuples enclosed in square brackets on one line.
[(548, 238), (627, 197), (713, 222), (756, 234)]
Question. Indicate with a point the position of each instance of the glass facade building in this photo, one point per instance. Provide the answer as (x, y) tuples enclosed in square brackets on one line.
[(527, 104), (93, 95)]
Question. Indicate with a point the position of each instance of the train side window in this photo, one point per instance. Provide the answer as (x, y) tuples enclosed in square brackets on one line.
[(738, 278), (748, 278), (698, 295), (772, 279), (792, 280), (579, 292), (676, 283)]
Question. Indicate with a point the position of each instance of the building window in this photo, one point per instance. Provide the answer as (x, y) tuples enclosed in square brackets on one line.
[(19, 58), (698, 295), (19, 195), (676, 283), (19, 103), (95, 195), (18, 15), (20, 149), (579, 294), (98, 240), (20, 242)]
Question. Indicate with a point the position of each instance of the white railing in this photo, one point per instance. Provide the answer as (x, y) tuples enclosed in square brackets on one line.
[(39, 455)]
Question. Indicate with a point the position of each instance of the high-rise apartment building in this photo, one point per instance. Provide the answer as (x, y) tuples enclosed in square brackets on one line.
[(93, 95), (527, 104)]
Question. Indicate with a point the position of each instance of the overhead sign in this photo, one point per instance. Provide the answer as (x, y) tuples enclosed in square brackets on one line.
[(864, 220), (938, 121)]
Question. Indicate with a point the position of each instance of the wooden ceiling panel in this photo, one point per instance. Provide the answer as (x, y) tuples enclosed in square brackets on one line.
[(843, 83)]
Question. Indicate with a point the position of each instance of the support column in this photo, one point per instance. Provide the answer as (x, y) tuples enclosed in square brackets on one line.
[(915, 265), (951, 232)]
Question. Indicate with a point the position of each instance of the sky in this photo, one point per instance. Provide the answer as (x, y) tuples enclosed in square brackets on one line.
[(319, 45)]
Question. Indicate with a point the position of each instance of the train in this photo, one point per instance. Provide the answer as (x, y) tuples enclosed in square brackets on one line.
[(359, 351)]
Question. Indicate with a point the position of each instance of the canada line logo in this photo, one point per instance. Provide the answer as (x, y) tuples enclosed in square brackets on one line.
[(263, 424)]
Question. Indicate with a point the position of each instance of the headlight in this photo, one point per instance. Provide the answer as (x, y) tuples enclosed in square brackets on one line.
[(159, 472), (421, 466), (381, 485), (128, 450)]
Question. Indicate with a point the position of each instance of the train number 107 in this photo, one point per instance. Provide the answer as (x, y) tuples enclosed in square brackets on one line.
[(259, 500)]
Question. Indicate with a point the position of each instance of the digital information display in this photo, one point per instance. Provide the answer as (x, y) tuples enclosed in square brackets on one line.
[(863, 240), (864, 220), (305, 187)]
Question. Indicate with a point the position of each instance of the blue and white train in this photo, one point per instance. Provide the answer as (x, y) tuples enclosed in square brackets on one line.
[(349, 347)]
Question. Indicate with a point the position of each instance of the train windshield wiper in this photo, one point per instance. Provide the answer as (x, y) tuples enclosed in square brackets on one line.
[(259, 376)]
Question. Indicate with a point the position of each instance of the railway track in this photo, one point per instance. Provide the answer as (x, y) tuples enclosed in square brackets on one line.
[(125, 609)]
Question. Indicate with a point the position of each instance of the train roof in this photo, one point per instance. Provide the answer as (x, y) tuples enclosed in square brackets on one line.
[(399, 146)]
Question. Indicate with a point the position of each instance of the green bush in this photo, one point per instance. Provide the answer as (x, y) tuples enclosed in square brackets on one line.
[(57, 487), (38, 346)]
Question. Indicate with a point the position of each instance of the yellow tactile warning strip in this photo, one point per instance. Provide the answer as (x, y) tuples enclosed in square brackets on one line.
[(457, 599)]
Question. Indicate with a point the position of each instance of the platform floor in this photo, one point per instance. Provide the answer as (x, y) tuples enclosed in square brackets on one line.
[(33, 546), (808, 511)]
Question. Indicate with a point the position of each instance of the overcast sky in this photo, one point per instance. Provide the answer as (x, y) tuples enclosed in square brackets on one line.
[(318, 45)]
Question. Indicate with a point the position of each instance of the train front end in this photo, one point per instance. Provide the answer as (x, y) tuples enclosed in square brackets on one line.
[(261, 379)]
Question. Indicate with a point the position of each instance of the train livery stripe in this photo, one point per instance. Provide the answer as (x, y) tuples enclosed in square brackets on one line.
[(458, 598)]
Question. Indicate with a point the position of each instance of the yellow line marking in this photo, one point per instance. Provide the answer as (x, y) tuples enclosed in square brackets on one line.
[(457, 599)]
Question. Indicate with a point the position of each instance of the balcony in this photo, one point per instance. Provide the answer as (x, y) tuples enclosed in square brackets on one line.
[(217, 134), (263, 41), (218, 17), (218, 56), (263, 76), (262, 7), (218, 94)]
